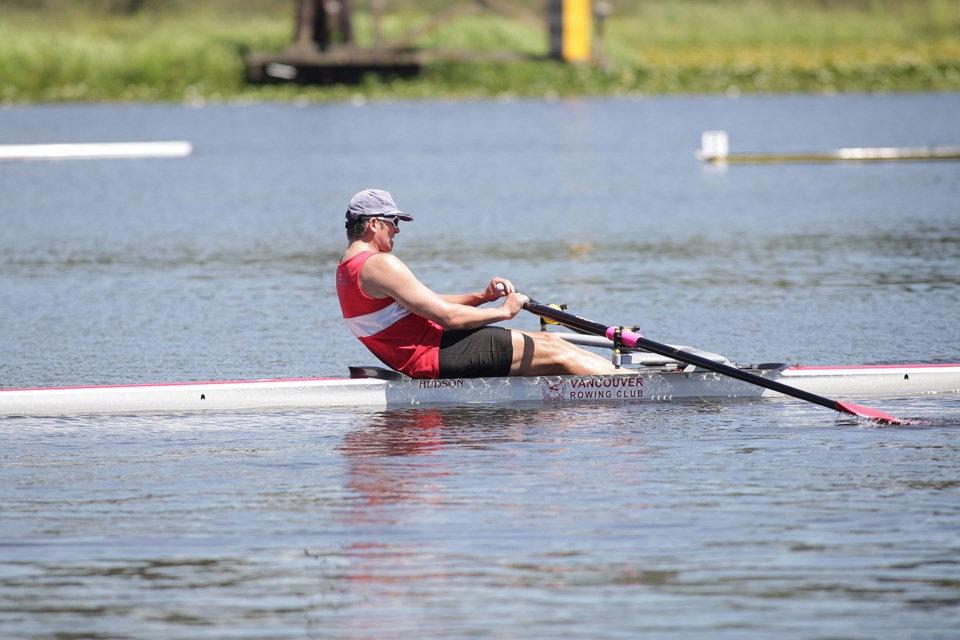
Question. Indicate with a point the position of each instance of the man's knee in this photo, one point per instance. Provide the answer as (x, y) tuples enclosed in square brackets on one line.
[(554, 350)]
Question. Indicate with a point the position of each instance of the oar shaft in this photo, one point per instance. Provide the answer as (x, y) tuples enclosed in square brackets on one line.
[(565, 318), (633, 339)]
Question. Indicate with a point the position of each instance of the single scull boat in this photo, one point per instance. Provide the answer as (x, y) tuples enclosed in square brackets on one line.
[(647, 377)]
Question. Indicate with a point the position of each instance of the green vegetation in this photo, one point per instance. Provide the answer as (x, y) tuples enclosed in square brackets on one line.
[(178, 50)]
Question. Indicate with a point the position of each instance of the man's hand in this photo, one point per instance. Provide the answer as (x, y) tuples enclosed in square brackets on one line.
[(498, 288), (514, 303)]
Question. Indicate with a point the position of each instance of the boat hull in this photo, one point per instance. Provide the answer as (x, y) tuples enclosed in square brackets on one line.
[(244, 394), (640, 385), (874, 381)]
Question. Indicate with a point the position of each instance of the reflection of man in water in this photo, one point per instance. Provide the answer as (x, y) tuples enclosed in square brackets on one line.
[(372, 450), (426, 335)]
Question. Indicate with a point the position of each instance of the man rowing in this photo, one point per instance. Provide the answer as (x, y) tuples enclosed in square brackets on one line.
[(427, 335)]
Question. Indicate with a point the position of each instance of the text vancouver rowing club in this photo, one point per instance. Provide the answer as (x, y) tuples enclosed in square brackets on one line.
[(616, 388), (592, 388)]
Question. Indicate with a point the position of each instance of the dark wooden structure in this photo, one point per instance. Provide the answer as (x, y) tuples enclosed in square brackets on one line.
[(324, 51)]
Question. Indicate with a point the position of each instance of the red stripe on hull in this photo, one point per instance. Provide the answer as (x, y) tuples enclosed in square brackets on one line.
[(859, 367), (171, 384)]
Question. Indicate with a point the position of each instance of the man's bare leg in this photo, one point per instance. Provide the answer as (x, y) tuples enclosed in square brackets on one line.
[(541, 354)]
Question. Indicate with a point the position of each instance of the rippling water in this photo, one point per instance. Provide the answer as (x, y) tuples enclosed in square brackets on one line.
[(746, 519)]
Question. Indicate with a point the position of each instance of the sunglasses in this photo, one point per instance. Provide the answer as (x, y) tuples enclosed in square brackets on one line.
[(394, 220)]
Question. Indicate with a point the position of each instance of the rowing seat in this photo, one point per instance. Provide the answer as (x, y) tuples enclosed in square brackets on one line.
[(378, 373)]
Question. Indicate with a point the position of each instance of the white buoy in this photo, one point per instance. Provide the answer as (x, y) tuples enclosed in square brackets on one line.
[(714, 145)]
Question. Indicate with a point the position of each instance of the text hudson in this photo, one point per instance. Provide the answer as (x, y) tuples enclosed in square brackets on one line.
[(441, 384)]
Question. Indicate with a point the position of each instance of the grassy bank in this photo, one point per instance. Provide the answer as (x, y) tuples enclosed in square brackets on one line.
[(171, 50)]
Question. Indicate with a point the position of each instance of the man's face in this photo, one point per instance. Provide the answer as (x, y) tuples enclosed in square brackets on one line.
[(387, 228)]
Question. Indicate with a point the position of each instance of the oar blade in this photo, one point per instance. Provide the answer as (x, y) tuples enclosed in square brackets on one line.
[(867, 412)]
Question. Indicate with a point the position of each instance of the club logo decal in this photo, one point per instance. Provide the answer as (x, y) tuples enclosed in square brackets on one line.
[(553, 389)]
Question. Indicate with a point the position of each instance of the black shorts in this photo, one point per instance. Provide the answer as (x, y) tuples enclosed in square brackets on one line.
[(476, 353)]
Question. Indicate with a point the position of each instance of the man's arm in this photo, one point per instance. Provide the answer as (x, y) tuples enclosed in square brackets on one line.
[(498, 288), (386, 275)]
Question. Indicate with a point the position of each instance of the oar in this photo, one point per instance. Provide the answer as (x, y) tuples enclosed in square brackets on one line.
[(633, 339)]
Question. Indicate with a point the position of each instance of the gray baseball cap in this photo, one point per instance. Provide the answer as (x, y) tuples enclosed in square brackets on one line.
[(371, 203)]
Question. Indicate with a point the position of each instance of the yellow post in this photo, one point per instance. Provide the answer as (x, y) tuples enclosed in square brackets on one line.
[(570, 25), (577, 20)]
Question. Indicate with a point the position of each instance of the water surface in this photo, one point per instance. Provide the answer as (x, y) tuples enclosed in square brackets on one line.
[(746, 519)]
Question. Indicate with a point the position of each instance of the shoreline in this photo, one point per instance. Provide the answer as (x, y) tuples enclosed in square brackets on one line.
[(671, 48), (360, 100)]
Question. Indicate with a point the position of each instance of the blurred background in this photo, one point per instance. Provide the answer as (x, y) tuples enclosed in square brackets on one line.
[(175, 50)]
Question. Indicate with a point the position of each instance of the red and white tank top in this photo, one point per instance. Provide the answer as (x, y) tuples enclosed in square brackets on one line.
[(402, 340)]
